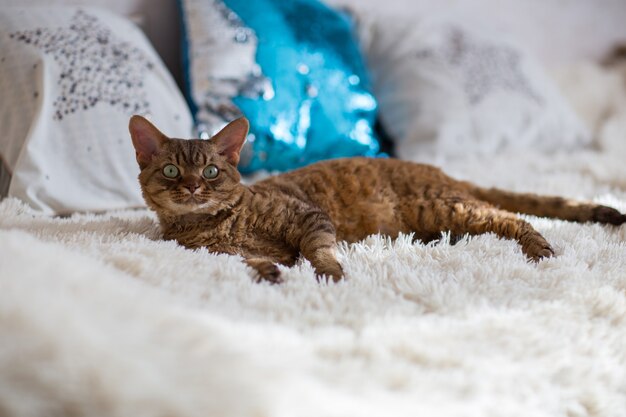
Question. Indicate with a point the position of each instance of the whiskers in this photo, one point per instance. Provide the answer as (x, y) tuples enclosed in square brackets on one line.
[(199, 200), (179, 201)]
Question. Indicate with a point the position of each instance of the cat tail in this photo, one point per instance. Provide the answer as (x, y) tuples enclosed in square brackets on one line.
[(548, 206)]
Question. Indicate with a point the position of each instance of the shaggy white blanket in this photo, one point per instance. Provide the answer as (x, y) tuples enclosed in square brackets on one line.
[(99, 317)]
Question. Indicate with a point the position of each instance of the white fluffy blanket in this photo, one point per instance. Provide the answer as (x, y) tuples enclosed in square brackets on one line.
[(99, 317)]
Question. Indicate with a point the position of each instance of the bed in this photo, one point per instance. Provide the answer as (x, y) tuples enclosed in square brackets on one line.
[(100, 316)]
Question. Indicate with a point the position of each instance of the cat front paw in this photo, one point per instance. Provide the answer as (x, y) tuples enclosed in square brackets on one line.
[(270, 274), (536, 251), (265, 271), (334, 272)]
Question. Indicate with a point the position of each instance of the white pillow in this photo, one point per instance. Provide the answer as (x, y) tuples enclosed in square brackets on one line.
[(445, 91), (70, 80)]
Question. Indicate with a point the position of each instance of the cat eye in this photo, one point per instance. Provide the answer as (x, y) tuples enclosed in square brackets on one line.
[(210, 172), (170, 171)]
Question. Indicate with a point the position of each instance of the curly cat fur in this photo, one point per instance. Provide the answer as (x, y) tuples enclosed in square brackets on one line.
[(306, 211)]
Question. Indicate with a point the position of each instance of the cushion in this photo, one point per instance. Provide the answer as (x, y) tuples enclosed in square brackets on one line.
[(445, 90), (70, 79), (292, 68)]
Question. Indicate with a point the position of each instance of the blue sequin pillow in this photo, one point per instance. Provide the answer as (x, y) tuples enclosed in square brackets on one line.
[(293, 68)]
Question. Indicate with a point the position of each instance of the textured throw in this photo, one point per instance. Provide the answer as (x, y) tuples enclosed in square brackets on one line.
[(98, 317)]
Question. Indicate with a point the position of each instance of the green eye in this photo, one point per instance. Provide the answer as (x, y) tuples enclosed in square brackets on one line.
[(210, 172), (170, 171)]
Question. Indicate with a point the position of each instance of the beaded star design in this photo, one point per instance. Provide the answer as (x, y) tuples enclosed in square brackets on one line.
[(483, 67), (95, 66)]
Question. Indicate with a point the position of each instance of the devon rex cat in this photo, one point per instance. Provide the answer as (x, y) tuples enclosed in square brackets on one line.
[(195, 189)]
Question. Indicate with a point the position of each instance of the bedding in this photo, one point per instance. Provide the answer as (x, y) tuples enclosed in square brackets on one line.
[(447, 90), (101, 317), (70, 79), (305, 91)]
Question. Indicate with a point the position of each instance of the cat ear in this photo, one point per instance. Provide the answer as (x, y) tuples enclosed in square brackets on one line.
[(147, 139), (230, 139)]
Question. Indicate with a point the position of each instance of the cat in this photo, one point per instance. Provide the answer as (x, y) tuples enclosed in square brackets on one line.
[(194, 188)]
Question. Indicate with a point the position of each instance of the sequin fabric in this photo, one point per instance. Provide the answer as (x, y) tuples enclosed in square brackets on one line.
[(304, 88)]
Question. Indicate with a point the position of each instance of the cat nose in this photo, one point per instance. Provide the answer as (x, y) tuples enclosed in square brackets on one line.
[(192, 187), (191, 183)]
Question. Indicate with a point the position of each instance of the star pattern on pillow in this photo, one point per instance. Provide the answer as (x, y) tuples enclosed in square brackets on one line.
[(483, 67), (94, 66)]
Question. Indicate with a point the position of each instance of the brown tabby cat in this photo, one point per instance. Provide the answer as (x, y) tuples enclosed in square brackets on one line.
[(195, 189)]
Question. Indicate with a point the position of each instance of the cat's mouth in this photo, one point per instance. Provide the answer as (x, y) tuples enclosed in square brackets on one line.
[(188, 203), (194, 202)]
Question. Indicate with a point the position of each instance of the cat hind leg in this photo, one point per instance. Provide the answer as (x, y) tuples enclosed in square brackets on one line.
[(476, 217), (480, 220)]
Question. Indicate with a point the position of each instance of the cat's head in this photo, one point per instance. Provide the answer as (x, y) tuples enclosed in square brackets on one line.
[(180, 176)]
